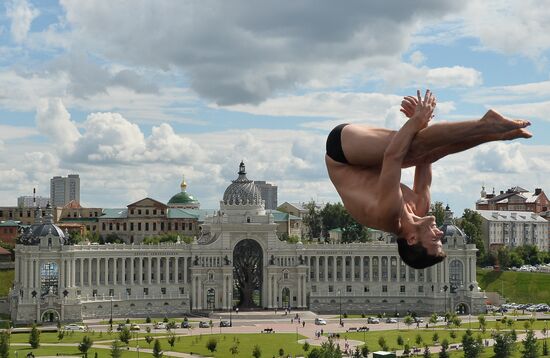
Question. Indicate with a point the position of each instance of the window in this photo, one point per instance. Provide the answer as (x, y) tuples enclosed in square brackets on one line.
[(129, 291), (163, 290), (132, 211), (190, 226), (182, 290), (162, 226), (111, 292), (146, 211), (313, 288), (49, 277), (366, 289), (169, 226), (154, 226), (176, 226), (330, 288), (349, 289), (420, 289), (146, 226), (384, 288), (103, 226), (154, 211), (139, 227), (139, 211), (285, 275), (94, 293), (110, 226), (145, 291), (131, 226), (402, 289)]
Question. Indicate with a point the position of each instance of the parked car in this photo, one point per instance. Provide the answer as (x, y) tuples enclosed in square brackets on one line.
[(160, 325), (120, 326), (134, 327), (74, 327), (185, 324), (391, 320), (224, 324), (373, 320), (320, 321), (204, 324)]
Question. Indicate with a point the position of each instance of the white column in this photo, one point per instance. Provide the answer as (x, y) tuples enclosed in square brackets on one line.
[(352, 268), (362, 268), (98, 271), (89, 271), (115, 269), (344, 268), (379, 268), (167, 270), (149, 268), (17, 270), (81, 272), (334, 267), (123, 271), (176, 270), (132, 271), (299, 298), (316, 268), (193, 293), (140, 271), (25, 273), (73, 272), (158, 270), (37, 280), (185, 270), (269, 292), (106, 275)]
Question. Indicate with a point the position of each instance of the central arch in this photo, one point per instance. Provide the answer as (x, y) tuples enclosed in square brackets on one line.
[(50, 316), (248, 274)]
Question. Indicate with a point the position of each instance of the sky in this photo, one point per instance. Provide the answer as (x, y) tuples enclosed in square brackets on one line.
[(132, 95)]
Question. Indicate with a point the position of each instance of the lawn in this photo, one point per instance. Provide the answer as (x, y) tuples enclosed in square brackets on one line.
[(268, 343), (407, 335), (519, 287), (6, 277), (76, 337), (55, 350), (489, 353)]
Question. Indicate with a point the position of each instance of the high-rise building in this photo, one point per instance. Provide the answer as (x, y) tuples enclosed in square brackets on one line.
[(269, 193), (63, 190), (29, 201)]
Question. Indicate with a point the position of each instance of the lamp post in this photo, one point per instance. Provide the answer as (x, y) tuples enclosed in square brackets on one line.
[(397, 320), (220, 324), (340, 297), (111, 319), (445, 288), (137, 349), (230, 309)]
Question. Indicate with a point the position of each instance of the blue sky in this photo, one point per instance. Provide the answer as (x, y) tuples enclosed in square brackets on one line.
[(132, 95)]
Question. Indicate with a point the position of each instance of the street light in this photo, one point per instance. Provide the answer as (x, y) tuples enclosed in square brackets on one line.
[(111, 320), (230, 309), (397, 314), (445, 288), (137, 349), (340, 296)]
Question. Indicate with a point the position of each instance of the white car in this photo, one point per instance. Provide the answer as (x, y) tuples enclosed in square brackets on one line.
[(391, 320), (320, 322), (160, 325), (74, 327)]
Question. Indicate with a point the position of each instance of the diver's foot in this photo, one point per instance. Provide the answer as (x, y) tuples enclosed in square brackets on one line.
[(502, 124)]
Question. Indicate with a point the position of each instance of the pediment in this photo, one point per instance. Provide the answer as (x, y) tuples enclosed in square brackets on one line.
[(148, 203)]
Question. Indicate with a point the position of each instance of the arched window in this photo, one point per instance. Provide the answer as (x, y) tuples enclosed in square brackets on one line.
[(456, 274), (49, 277)]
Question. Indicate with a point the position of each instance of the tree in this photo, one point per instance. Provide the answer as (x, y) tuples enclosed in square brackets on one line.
[(444, 347), (116, 349), (4, 344), (433, 320), (544, 348), (281, 352), (503, 255), (312, 220), (435, 337), (60, 334), (365, 350), (148, 339), (530, 349), (327, 350), (437, 210), (85, 345), (212, 344), (471, 224), (306, 346), (382, 342), (406, 350), (472, 346), (426, 352), (125, 335), (408, 320), (34, 337), (504, 345), (257, 352), (482, 323), (418, 339), (334, 216), (157, 349), (400, 340), (171, 339)]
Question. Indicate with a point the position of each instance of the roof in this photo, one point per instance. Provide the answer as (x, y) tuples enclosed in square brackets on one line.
[(73, 204), (9, 223), (114, 213), (4, 251), (507, 216), (335, 230), (85, 219), (183, 198), (279, 216), (151, 202), (178, 213)]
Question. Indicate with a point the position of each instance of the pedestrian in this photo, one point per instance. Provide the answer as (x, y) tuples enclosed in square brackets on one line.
[(303, 324)]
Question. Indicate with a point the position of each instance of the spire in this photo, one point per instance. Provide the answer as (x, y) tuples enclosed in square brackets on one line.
[(242, 169), (38, 215), (483, 192), (49, 215), (448, 216), (183, 184)]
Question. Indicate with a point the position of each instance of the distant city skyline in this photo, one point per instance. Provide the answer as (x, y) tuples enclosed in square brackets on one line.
[(90, 90)]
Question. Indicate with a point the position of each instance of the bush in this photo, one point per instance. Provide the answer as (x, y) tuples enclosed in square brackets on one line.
[(148, 319), (34, 337), (257, 352), (212, 344)]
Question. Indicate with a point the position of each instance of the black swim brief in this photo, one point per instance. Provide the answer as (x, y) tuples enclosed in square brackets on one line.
[(334, 144)]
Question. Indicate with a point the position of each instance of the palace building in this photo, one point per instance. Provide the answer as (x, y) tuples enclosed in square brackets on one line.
[(235, 260)]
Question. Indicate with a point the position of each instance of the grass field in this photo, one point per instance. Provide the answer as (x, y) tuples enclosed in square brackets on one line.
[(6, 279), (489, 352), (519, 287), (76, 337), (53, 351), (268, 343)]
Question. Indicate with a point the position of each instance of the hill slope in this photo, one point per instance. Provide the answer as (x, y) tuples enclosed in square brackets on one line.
[(519, 287)]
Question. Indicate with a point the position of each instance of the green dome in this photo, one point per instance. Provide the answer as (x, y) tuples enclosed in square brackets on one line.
[(183, 198)]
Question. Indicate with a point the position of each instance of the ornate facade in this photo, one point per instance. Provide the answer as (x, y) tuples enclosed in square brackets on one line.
[(237, 260)]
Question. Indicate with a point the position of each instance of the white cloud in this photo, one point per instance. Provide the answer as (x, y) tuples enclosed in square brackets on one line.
[(244, 53), (501, 158), (53, 120), (407, 75), (21, 14), (8, 132)]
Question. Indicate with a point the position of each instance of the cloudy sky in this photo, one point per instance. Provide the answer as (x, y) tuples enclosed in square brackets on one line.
[(134, 94)]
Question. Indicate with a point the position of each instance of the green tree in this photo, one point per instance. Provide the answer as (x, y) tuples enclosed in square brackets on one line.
[(437, 210), (382, 342), (257, 352), (444, 349), (365, 350), (471, 223), (234, 349), (426, 353), (171, 339), (334, 216), (418, 339), (281, 352), (157, 349), (124, 335), (406, 350), (85, 345), (116, 349), (408, 320), (312, 220), (472, 346), (544, 348), (503, 255), (4, 344), (433, 320), (482, 323), (530, 349), (60, 334), (212, 344), (435, 337), (400, 340), (148, 339), (34, 337), (327, 350), (504, 345), (306, 346)]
